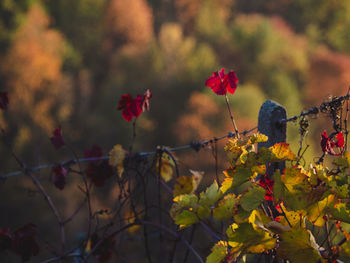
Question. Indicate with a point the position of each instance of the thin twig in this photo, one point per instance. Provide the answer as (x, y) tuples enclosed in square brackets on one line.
[(231, 117)]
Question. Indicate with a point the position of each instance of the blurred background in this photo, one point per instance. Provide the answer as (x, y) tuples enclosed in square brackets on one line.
[(66, 63)]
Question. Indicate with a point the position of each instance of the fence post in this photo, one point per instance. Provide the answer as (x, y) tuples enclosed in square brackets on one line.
[(269, 124)]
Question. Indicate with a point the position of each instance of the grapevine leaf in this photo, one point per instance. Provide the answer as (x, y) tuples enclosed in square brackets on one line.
[(340, 212), (166, 165), (281, 151), (316, 212), (293, 176), (196, 178), (210, 196), (245, 238), (186, 218), (344, 253), (295, 245), (294, 218), (225, 208), (203, 212), (276, 227), (343, 161), (218, 253), (182, 202), (257, 137), (258, 219), (241, 215), (253, 198), (116, 158), (184, 185), (226, 184)]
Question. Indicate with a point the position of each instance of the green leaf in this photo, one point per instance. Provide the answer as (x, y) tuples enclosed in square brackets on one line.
[(241, 215), (344, 254), (295, 245), (340, 212), (253, 198), (210, 196), (186, 218), (218, 253), (245, 238), (182, 202), (240, 176), (343, 161), (225, 208)]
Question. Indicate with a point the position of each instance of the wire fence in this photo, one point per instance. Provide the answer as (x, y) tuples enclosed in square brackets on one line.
[(194, 145)]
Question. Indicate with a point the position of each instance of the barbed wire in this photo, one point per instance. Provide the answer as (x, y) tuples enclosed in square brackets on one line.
[(316, 110), (195, 145)]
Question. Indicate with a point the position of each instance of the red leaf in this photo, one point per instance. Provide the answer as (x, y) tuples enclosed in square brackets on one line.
[(222, 83), (340, 140), (5, 239), (267, 184), (327, 145), (105, 250), (4, 100), (24, 242), (134, 107), (57, 138), (99, 173), (60, 174)]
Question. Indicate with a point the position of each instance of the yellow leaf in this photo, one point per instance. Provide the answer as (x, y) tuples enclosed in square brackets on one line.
[(166, 164), (293, 176), (130, 217), (116, 158), (316, 212), (258, 137), (281, 151), (218, 252), (295, 218), (184, 185)]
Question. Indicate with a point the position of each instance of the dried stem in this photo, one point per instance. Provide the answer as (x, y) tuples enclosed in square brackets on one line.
[(231, 116)]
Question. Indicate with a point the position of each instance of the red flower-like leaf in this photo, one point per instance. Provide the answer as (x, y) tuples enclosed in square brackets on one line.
[(105, 250), (130, 107), (134, 107), (57, 138), (99, 172), (267, 184), (327, 145), (222, 83), (5, 239), (4, 100), (59, 178), (24, 242), (340, 140)]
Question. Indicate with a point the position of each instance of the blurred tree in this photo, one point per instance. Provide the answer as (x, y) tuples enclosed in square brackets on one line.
[(39, 93), (322, 20), (11, 14)]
